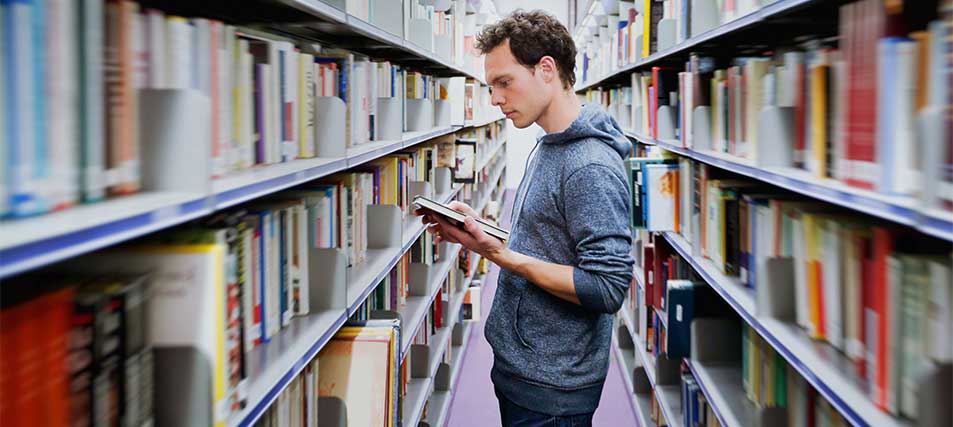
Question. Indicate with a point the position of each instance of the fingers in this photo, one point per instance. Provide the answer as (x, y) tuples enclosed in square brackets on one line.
[(473, 228), (462, 207)]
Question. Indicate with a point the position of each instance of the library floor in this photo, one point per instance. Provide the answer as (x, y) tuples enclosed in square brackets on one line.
[(474, 403)]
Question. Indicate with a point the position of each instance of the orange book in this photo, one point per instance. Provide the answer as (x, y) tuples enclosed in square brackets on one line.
[(56, 317), (122, 114)]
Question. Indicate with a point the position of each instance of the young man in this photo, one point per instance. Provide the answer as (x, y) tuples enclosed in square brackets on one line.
[(567, 265)]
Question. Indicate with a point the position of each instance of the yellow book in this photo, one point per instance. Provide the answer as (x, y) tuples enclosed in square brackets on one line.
[(811, 243), (923, 68), (819, 119), (646, 28)]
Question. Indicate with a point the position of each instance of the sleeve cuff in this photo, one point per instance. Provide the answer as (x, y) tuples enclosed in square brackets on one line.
[(588, 291)]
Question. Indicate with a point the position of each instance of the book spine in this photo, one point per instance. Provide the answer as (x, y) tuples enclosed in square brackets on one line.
[(63, 114)]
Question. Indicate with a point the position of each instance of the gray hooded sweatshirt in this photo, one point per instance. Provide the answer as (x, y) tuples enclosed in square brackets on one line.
[(571, 208)]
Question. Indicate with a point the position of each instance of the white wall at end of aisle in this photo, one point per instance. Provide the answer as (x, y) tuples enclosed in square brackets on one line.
[(519, 144)]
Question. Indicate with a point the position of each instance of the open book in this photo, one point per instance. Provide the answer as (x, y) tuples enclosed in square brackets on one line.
[(421, 202)]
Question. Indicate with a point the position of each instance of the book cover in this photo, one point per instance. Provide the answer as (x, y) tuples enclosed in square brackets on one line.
[(661, 196)]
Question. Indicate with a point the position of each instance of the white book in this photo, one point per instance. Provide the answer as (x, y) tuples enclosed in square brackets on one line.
[(799, 248), (897, 147), (249, 280), (226, 96), (273, 284), (283, 407), (661, 181), (62, 107), (306, 94), (832, 283), (178, 53), (201, 40), (685, 198), (268, 133), (939, 312), (300, 241), (155, 26), (24, 107), (288, 99), (4, 192), (245, 107), (288, 264), (92, 139), (311, 395)]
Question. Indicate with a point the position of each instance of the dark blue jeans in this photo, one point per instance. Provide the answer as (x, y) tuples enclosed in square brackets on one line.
[(514, 415)]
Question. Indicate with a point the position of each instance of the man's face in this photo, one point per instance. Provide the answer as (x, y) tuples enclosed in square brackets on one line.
[(520, 92)]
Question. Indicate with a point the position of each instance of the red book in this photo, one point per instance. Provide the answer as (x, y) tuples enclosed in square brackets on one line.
[(662, 254), (438, 310), (866, 28), (56, 317), (877, 316)]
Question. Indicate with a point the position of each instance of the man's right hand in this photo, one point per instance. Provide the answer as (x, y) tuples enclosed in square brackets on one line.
[(434, 225)]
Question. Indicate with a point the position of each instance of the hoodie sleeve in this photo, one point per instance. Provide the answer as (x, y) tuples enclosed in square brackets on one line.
[(596, 208)]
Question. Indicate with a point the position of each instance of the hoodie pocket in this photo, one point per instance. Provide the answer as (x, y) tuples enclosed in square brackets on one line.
[(516, 323)]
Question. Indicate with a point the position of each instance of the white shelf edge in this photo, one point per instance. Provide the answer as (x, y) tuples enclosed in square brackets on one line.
[(712, 383), (413, 325), (669, 399), (27, 252), (86, 228), (843, 394), (418, 390), (283, 358), (899, 209), (457, 362)]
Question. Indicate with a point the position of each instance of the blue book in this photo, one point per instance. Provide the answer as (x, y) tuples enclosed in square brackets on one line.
[(283, 264), (264, 224), (681, 311)]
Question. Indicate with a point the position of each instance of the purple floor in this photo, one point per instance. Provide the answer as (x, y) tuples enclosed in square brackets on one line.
[(474, 402)]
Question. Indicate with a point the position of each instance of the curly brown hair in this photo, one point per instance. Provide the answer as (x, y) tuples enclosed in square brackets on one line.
[(533, 35)]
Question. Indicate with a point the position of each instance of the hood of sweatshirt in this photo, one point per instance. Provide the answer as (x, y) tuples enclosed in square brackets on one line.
[(593, 122)]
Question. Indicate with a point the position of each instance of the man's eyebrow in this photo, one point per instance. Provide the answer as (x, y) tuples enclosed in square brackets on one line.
[(498, 78)]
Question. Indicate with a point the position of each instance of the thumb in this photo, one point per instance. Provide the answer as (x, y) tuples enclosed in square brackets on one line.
[(471, 226)]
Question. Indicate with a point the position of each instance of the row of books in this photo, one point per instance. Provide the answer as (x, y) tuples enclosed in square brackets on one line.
[(298, 404), (259, 257), (624, 32), (263, 94), (857, 283), (696, 411), (390, 294), (865, 108), (770, 382), (98, 324)]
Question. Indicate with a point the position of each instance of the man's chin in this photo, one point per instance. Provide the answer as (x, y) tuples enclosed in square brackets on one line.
[(521, 124)]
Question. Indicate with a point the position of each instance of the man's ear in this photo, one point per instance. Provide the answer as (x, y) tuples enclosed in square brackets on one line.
[(547, 66)]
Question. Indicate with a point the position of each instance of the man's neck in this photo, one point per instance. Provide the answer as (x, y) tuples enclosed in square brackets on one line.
[(562, 111)]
